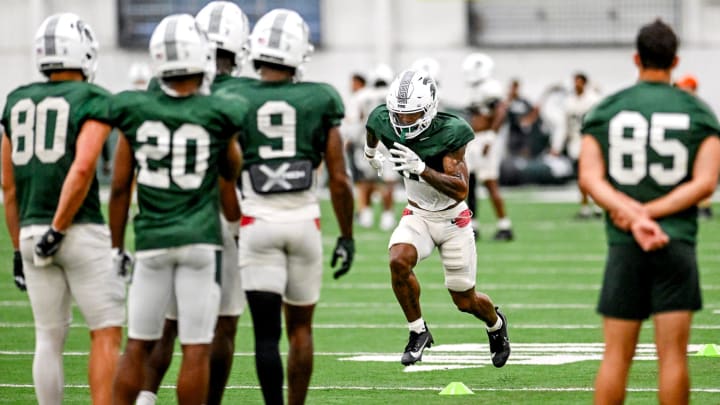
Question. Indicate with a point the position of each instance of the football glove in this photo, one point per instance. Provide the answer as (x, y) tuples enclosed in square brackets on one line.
[(122, 263), (406, 160), (47, 246), (344, 250), (375, 159), (18, 273)]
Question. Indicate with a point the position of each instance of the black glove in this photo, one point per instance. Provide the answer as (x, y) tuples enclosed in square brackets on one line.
[(345, 250), (18, 271), (122, 263), (49, 243)]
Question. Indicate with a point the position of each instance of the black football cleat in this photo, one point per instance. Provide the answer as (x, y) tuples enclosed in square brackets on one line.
[(504, 235), (499, 343), (417, 343)]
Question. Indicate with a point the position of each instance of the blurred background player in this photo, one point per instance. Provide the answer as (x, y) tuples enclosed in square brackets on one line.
[(227, 27), (487, 114), (689, 83), (580, 100), (178, 232), (367, 180), (292, 127), (53, 211)]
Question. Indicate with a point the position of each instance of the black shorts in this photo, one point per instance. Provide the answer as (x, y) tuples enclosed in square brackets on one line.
[(638, 284)]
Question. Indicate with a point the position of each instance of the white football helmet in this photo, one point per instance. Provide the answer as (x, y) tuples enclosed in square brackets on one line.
[(139, 75), (428, 65), (477, 67), (381, 73), (179, 48), (412, 92), (281, 37), (64, 41), (227, 26), (486, 95)]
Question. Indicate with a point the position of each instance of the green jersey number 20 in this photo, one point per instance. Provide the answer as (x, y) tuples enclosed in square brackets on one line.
[(29, 124), (635, 147), (176, 145)]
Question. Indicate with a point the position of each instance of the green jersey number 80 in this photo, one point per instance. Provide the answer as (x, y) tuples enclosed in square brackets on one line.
[(634, 147), (29, 125), (176, 145)]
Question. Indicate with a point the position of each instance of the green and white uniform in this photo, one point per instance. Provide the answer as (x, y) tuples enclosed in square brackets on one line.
[(446, 133), (280, 242), (438, 221), (177, 146), (232, 298), (650, 134), (42, 122)]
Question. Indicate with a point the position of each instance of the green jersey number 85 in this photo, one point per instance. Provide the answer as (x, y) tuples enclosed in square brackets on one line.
[(644, 133)]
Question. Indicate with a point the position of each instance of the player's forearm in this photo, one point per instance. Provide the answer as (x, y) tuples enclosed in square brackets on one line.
[(343, 204), (454, 185), (118, 215), (12, 220), (371, 140), (680, 198), (229, 201), (74, 190)]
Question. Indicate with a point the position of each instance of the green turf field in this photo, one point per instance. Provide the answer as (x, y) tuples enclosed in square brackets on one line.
[(547, 282)]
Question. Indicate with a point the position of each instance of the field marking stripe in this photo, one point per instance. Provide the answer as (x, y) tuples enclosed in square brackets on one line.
[(402, 326), (375, 388)]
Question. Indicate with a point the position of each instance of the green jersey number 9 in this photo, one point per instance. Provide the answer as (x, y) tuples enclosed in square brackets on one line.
[(276, 119), (175, 144), (634, 147), (29, 125)]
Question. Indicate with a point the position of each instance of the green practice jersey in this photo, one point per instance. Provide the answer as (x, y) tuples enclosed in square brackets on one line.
[(290, 120), (650, 134), (177, 144), (447, 133), (43, 121)]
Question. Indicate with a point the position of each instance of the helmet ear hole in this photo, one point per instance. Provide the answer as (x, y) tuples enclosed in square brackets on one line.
[(412, 92)]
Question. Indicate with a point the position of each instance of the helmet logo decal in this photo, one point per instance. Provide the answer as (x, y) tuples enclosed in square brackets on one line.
[(432, 86), (215, 18), (171, 51), (277, 30), (404, 89), (50, 36)]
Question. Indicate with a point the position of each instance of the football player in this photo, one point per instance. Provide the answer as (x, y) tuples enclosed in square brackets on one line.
[(293, 126), (54, 132), (179, 140), (487, 113), (227, 28), (650, 153), (577, 104), (428, 148)]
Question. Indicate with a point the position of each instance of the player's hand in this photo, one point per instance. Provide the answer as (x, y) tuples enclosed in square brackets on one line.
[(648, 234), (406, 160), (18, 272), (344, 250), (375, 159), (47, 246), (630, 211), (122, 263)]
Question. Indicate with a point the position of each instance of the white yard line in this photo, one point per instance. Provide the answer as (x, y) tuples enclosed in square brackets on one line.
[(396, 388)]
